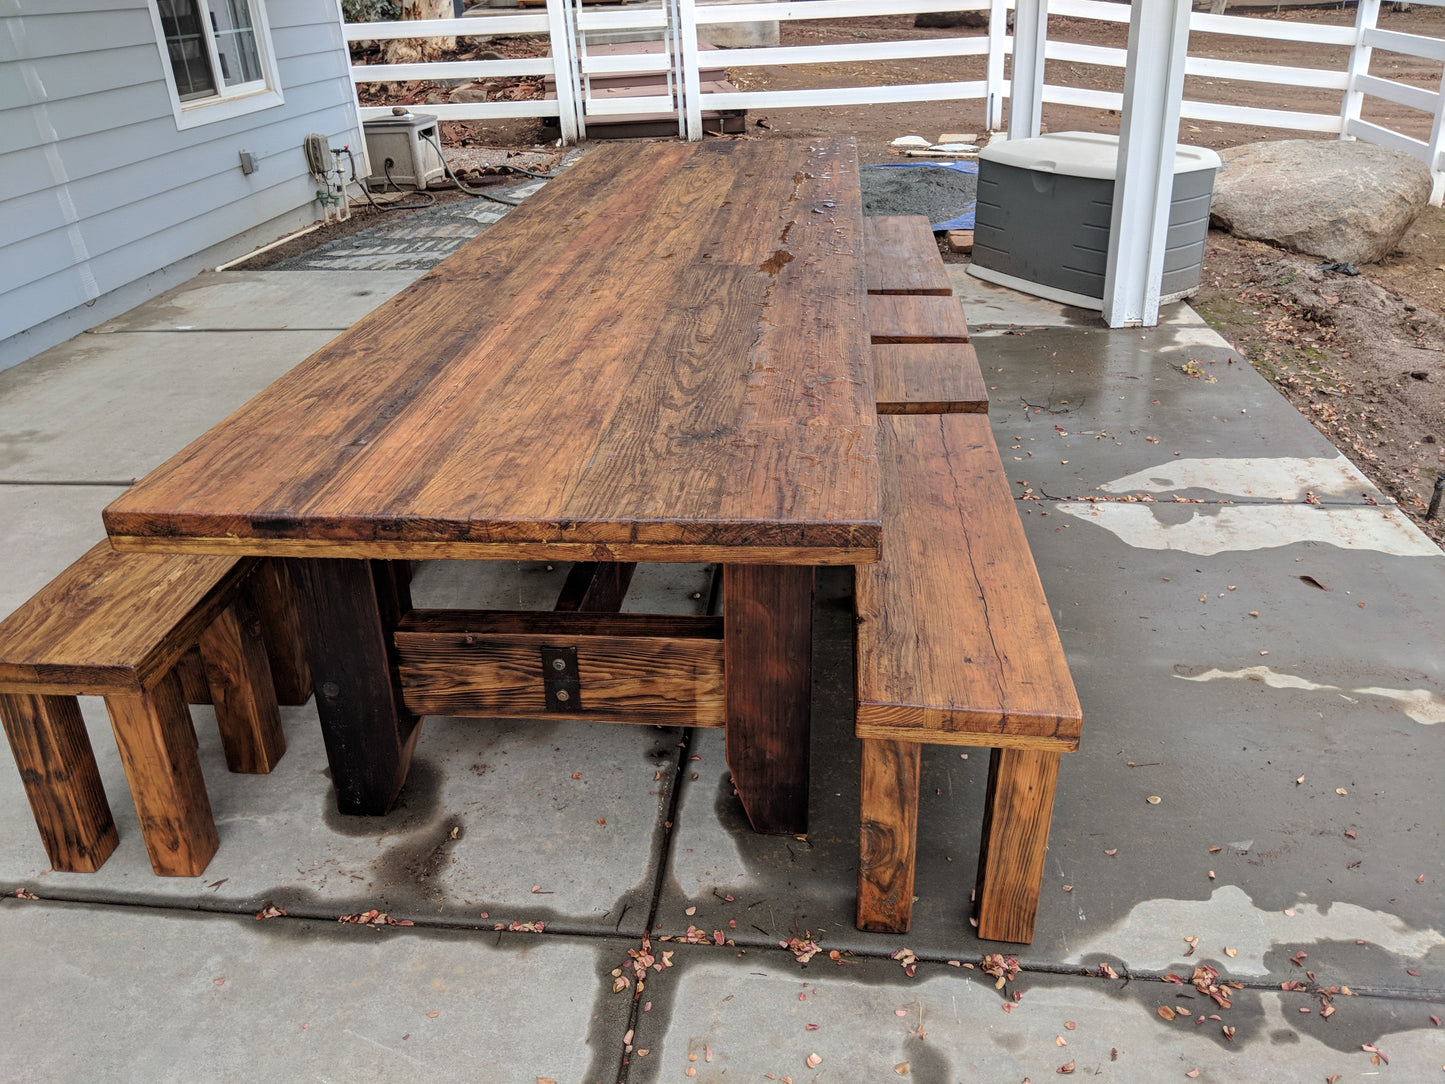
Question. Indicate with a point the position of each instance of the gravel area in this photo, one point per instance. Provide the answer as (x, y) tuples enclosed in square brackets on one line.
[(942, 193)]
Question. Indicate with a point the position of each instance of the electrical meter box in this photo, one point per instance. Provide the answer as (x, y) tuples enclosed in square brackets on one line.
[(410, 143), (1045, 205)]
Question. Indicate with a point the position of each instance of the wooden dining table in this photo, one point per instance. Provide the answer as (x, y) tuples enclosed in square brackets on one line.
[(662, 356)]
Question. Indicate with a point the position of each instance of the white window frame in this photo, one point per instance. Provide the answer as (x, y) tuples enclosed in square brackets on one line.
[(228, 102)]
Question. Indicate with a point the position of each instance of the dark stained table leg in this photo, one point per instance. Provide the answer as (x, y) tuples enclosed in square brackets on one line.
[(768, 641), (351, 608)]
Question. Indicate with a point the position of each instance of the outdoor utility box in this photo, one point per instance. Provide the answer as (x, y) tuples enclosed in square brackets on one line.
[(1043, 217), (410, 141)]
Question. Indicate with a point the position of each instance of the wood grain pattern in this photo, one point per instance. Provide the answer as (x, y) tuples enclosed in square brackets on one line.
[(282, 631), (900, 256), (768, 637), (350, 609), (888, 835), (113, 622), (1017, 813), (913, 318), (239, 674), (511, 404), (158, 748), (956, 644), (928, 378), (57, 767), (634, 668)]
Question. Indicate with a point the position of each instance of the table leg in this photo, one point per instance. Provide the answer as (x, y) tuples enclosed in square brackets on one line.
[(1016, 815), (768, 647), (351, 609)]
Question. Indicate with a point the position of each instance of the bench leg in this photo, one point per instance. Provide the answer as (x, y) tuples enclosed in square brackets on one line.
[(191, 669), (888, 835), (57, 765), (1016, 817), (768, 648), (351, 609), (282, 632), (239, 676), (158, 748)]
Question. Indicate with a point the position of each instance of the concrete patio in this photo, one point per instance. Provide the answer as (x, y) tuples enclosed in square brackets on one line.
[(1256, 640)]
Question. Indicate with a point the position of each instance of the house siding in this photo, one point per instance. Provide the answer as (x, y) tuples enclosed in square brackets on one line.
[(100, 189)]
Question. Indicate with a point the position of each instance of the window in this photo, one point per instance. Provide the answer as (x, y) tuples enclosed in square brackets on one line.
[(219, 56)]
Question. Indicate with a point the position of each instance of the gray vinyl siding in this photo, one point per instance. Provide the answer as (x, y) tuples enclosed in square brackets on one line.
[(98, 186)]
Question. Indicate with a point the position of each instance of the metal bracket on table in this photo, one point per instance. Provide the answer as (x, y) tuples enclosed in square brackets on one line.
[(561, 680)]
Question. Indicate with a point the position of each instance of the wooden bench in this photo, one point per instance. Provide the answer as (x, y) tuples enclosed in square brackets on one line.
[(900, 256), (956, 646), (124, 627), (928, 378), (915, 318)]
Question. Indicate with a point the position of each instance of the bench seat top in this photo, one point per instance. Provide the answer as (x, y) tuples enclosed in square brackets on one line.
[(916, 318), (928, 378), (900, 256), (956, 645), (113, 622)]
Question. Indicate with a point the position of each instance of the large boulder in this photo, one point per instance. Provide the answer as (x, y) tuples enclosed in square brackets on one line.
[(1340, 200)]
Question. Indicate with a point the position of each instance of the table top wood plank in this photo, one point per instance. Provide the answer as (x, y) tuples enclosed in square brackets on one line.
[(661, 356)]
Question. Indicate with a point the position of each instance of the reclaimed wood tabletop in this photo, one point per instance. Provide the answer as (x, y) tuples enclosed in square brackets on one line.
[(663, 355)]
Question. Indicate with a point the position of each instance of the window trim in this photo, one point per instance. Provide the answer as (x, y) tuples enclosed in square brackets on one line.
[(228, 102)]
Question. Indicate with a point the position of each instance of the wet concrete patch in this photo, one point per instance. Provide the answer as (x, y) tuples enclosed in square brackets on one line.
[(864, 1019)]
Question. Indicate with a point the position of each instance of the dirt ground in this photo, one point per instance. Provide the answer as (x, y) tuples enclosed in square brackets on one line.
[(1361, 357)]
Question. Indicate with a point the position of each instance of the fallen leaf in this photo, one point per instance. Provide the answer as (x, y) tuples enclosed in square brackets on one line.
[(1215, 850), (576, 775), (1165, 1013), (1192, 1073), (691, 1070), (901, 1068), (1112, 852), (900, 1012), (1065, 1069), (1350, 833), (1211, 875), (812, 1061), (433, 1014), (1289, 911), (1153, 799), (1341, 791), (1435, 1020), (1070, 1025), (1231, 952), (1059, 1040), (1228, 1030), (1300, 780), (1068, 888), (690, 911), (1420, 879)]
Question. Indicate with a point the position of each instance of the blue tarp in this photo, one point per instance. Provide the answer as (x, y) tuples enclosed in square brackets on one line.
[(962, 221)]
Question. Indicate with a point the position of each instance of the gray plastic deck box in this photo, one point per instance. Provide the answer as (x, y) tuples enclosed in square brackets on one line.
[(1043, 217)]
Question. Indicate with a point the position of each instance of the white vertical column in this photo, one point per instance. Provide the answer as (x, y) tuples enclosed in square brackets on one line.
[(1437, 149), (566, 70), (1366, 16), (993, 84), (1144, 177), (1026, 88), (691, 88)]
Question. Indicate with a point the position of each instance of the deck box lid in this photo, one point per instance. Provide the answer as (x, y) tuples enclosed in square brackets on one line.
[(1083, 154)]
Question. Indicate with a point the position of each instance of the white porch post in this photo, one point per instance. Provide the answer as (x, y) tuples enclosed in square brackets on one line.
[(1026, 88), (1144, 177)]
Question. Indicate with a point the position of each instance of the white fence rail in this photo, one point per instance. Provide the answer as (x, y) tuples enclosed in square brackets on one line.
[(681, 23)]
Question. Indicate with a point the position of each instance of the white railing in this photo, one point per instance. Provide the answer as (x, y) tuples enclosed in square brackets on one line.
[(681, 23)]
